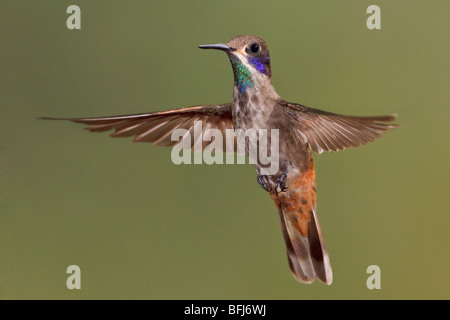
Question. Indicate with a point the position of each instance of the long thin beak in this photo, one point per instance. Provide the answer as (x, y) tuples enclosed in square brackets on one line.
[(218, 46)]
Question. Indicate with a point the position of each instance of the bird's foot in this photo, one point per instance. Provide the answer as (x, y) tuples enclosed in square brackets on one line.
[(264, 182), (281, 183)]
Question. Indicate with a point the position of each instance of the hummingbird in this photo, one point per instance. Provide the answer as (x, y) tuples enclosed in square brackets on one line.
[(302, 129)]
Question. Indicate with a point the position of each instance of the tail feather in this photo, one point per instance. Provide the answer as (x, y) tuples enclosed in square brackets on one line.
[(308, 257), (298, 251), (319, 254)]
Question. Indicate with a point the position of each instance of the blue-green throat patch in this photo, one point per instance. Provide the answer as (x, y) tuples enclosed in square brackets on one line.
[(242, 76)]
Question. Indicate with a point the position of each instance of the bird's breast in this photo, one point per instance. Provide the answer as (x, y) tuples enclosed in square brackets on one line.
[(251, 110)]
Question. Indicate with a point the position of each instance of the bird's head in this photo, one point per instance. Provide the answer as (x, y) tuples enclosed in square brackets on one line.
[(249, 56)]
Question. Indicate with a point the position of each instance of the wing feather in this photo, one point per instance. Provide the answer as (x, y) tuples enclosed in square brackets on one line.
[(326, 131), (157, 127)]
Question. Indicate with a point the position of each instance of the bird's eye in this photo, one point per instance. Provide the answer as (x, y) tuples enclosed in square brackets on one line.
[(254, 47)]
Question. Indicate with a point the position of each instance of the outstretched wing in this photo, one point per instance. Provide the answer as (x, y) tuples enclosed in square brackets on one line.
[(326, 131), (157, 127)]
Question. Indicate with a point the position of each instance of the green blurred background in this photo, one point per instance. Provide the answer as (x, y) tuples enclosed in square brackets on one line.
[(141, 227)]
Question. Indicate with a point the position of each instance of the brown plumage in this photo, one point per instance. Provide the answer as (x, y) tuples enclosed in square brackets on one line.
[(256, 105)]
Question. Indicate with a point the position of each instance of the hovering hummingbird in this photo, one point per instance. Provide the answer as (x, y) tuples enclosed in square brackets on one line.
[(256, 105)]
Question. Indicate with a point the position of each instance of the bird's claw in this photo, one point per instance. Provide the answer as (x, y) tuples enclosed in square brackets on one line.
[(281, 183), (263, 181)]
